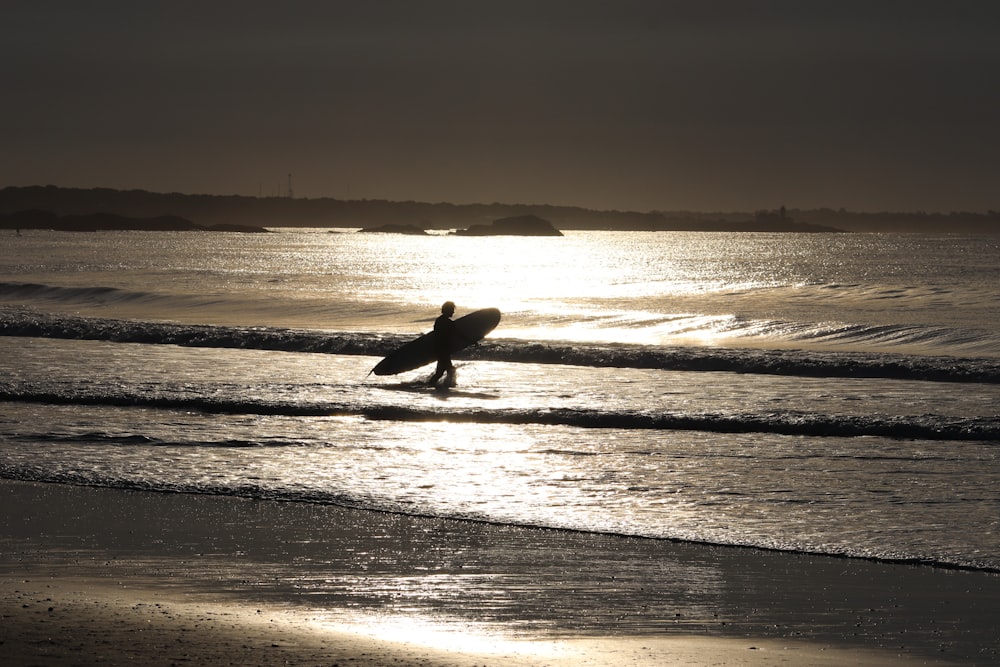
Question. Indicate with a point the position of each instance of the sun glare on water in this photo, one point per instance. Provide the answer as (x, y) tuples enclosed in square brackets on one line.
[(582, 287), (443, 636)]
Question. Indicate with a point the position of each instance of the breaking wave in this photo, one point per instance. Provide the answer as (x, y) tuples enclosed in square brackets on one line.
[(243, 401), (805, 363)]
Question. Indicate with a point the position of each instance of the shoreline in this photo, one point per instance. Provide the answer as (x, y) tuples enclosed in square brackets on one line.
[(92, 575), (56, 620)]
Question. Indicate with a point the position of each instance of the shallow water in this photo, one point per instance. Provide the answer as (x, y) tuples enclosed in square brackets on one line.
[(829, 394)]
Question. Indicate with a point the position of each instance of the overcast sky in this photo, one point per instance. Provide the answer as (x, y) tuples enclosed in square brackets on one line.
[(727, 105)]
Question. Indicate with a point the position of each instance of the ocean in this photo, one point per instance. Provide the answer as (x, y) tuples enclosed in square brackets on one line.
[(830, 394)]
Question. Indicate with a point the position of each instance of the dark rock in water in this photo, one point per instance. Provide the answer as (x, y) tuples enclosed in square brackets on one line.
[(395, 229), (522, 225)]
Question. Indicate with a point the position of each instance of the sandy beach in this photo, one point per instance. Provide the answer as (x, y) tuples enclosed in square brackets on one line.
[(102, 576)]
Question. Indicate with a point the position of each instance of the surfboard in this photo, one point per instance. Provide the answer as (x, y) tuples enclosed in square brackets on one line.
[(420, 352)]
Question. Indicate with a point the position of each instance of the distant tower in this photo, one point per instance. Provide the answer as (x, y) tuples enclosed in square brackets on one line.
[(290, 195)]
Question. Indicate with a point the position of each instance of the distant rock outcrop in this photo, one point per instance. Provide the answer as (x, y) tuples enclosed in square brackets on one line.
[(110, 221), (522, 225), (94, 222), (29, 219), (780, 221), (413, 230)]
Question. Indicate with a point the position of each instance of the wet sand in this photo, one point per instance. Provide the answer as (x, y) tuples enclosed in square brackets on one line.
[(102, 576)]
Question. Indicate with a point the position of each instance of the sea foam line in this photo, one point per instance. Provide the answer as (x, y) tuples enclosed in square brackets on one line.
[(28, 323), (923, 427), (90, 478)]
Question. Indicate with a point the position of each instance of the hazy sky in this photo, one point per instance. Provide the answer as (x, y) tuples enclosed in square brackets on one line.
[(727, 105)]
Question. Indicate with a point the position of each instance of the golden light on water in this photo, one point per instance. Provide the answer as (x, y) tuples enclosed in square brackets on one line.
[(631, 327), (457, 637), (560, 289), (635, 289)]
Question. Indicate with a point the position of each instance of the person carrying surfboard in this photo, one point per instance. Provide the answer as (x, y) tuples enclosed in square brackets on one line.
[(428, 348), (444, 334)]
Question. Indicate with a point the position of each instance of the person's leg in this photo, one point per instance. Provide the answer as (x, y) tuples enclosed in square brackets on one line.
[(442, 367)]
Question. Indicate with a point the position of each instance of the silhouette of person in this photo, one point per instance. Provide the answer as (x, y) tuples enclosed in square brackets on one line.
[(444, 335)]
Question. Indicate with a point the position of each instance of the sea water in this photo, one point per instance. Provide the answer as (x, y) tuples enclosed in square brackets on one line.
[(820, 393)]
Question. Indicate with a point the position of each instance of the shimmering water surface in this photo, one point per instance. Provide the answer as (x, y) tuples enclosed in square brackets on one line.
[(831, 394)]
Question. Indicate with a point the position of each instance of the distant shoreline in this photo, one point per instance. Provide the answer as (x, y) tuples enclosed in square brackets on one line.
[(231, 212)]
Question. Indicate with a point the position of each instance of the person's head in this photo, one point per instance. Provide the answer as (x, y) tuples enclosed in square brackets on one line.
[(448, 308)]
